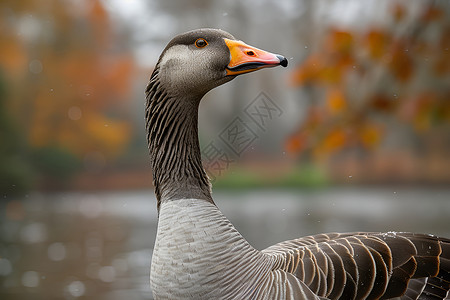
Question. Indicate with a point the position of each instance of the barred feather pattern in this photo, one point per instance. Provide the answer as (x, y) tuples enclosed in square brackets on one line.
[(369, 265), (200, 255), (172, 135)]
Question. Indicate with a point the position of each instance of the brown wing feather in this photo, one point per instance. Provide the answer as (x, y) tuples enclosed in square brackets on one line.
[(369, 265)]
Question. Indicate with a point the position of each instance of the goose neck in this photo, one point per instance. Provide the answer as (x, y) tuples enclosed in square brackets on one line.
[(172, 133)]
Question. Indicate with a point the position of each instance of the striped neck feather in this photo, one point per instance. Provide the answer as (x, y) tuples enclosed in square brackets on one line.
[(172, 135)]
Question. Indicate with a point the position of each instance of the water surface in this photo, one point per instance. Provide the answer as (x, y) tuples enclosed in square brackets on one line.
[(99, 245)]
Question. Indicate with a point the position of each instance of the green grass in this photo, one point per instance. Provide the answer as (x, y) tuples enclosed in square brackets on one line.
[(297, 177)]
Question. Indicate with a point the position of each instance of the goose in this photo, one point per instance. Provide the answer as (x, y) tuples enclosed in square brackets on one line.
[(199, 254)]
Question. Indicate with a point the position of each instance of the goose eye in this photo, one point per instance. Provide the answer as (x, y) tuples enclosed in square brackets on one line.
[(200, 43)]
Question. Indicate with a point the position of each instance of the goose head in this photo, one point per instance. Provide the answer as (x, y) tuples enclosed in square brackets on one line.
[(199, 60), (191, 64)]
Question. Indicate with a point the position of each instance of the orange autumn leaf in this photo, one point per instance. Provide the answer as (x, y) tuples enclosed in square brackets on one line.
[(320, 70), (400, 63), (377, 42), (391, 74), (370, 136), (330, 65), (383, 103), (334, 140), (339, 51), (296, 143), (332, 74), (336, 101), (339, 41), (308, 71)]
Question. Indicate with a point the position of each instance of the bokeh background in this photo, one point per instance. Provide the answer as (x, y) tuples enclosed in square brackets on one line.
[(360, 139)]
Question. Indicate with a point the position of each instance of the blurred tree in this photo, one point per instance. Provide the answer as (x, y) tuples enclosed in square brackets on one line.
[(69, 75), (54, 163), (15, 174), (375, 78)]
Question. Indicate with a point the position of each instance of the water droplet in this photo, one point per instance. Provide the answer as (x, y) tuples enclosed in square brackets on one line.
[(34, 233), (225, 14), (306, 47), (74, 113), (30, 279), (86, 91), (56, 251), (76, 288), (350, 176)]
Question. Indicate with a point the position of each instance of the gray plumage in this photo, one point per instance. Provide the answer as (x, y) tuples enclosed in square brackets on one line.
[(199, 254)]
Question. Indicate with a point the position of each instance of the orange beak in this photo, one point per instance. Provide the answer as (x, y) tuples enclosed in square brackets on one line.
[(245, 58)]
